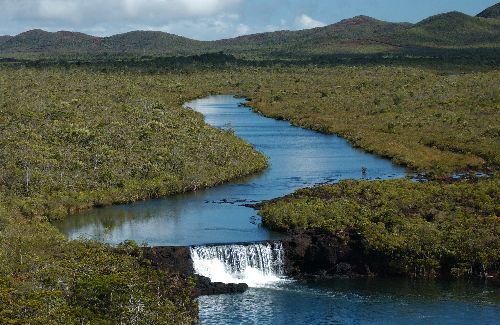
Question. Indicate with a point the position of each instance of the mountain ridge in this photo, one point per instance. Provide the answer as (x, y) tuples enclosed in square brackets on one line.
[(491, 12), (359, 34), (453, 29)]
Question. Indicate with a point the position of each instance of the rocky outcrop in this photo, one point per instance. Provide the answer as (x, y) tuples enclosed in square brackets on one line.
[(316, 254), (309, 255), (320, 255), (178, 260)]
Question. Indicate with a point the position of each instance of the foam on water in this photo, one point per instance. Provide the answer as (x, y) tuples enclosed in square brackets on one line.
[(258, 265)]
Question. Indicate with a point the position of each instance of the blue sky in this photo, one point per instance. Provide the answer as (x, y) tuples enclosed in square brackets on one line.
[(211, 19)]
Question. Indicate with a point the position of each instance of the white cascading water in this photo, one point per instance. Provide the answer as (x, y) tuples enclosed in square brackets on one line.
[(257, 265)]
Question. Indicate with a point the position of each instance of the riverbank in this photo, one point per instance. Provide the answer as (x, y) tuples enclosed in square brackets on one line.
[(396, 227), (112, 141), (78, 138), (74, 140), (47, 279), (219, 214), (432, 122)]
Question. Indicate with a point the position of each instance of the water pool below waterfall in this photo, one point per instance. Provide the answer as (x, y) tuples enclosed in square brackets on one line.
[(274, 299), (298, 158), (362, 301)]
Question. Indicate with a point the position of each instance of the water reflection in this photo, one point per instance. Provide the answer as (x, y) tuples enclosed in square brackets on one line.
[(298, 158)]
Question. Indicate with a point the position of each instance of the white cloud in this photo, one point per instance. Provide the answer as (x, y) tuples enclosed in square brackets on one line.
[(205, 28), (304, 21), (57, 9), (98, 11), (200, 19)]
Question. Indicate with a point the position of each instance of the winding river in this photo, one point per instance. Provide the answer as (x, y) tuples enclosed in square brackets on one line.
[(298, 158)]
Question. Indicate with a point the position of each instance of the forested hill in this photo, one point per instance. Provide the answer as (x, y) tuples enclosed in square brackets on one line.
[(491, 12), (39, 41), (453, 29), (4, 39), (361, 34)]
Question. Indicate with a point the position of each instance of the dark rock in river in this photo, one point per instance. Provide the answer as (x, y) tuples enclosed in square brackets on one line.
[(319, 255), (205, 287)]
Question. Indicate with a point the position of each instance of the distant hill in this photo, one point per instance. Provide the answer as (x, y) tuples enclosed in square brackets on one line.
[(41, 41), (364, 34), (348, 29), (491, 12), (4, 39), (149, 42), (453, 29), (348, 35), (357, 35)]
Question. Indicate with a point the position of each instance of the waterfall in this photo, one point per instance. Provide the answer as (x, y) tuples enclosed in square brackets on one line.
[(257, 265)]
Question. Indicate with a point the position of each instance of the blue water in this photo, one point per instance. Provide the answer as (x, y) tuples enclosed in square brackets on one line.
[(358, 302), (298, 158)]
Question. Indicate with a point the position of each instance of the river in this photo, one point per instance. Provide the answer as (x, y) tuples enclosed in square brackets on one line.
[(298, 158)]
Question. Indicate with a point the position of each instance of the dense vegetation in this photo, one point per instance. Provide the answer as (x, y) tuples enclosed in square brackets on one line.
[(46, 279), (424, 229), (491, 12), (76, 139), (65, 42), (75, 135), (432, 122), (452, 29), (438, 122)]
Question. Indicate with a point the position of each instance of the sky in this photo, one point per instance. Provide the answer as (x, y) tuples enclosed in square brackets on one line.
[(211, 19)]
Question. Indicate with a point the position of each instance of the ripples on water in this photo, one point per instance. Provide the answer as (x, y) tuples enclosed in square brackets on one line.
[(355, 302), (298, 158), (273, 299)]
